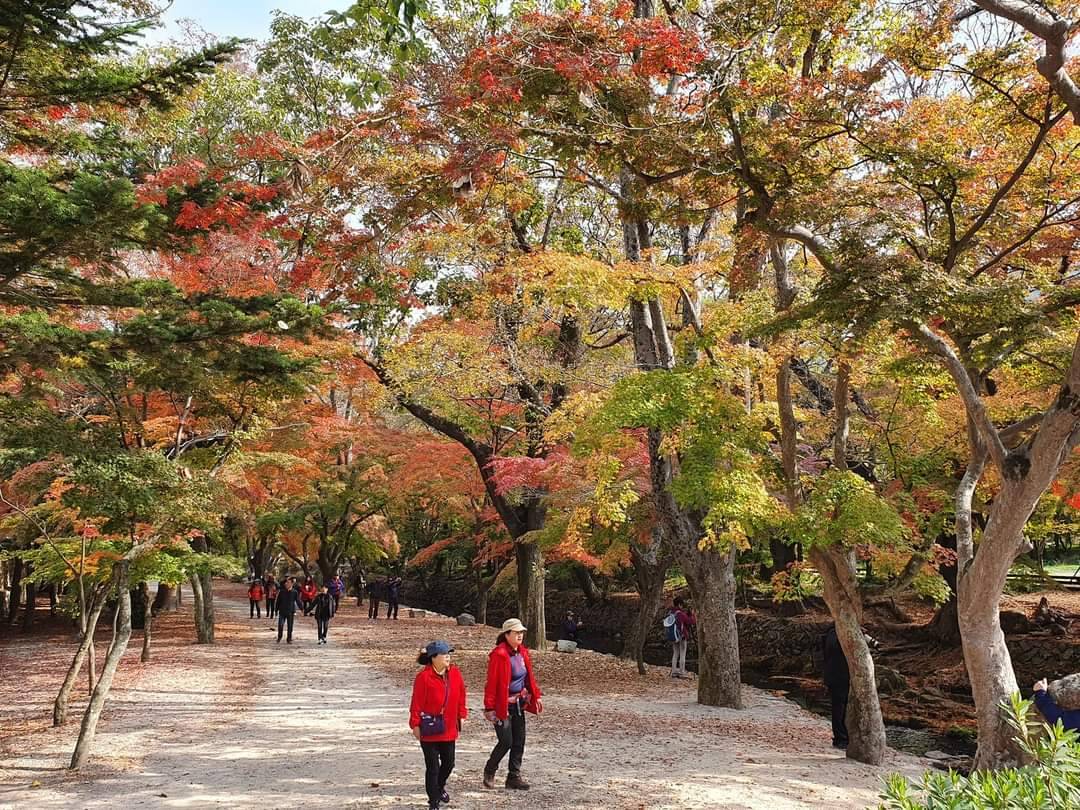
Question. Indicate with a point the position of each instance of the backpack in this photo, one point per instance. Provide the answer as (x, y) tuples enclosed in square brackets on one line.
[(671, 627)]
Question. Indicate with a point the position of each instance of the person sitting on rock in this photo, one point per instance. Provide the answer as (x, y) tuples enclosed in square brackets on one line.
[(570, 627), (1070, 718)]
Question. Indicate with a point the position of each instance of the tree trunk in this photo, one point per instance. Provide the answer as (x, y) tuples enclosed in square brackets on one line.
[(204, 629), (587, 584), (650, 571), (944, 628), (148, 618), (164, 601), (866, 728), (711, 579), (83, 653), (121, 635), (16, 589), (530, 582), (31, 603)]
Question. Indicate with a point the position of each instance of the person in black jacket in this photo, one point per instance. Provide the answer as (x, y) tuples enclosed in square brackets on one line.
[(323, 608), (393, 593), (286, 608), (837, 681), (374, 594)]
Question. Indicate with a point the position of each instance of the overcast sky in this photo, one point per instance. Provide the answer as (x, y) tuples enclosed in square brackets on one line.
[(236, 18)]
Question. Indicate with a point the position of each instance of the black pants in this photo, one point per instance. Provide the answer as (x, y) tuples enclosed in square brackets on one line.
[(391, 609), (271, 607), (337, 601), (282, 619), (839, 697), (373, 607), (323, 625), (511, 734), (439, 759), (256, 608)]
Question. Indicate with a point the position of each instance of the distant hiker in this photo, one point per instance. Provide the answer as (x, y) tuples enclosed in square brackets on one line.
[(255, 597), (570, 627), (374, 594), (269, 584), (323, 608), (272, 591), (837, 681), (678, 625), (361, 586), (393, 593), (436, 712), (510, 691), (286, 609), (308, 591), (337, 589), (1070, 718)]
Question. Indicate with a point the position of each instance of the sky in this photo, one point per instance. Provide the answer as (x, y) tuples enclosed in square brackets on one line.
[(236, 18)]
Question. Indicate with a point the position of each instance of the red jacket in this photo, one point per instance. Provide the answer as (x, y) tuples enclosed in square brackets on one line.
[(428, 693), (256, 592), (497, 689), (308, 591)]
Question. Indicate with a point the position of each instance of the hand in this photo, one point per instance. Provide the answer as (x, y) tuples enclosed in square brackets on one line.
[(1040, 685), (416, 732), (489, 715)]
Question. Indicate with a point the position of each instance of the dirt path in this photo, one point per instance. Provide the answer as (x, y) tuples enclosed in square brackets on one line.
[(326, 728)]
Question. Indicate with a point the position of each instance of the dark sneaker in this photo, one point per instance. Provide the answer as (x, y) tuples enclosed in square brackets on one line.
[(445, 798), (489, 780), (516, 783)]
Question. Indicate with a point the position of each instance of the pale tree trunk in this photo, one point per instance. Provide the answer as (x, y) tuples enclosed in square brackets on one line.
[(84, 652), (204, 617), (121, 635), (866, 728), (148, 618), (1027, 471)]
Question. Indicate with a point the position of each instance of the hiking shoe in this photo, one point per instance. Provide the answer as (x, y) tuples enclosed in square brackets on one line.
[(489, 780), (516, 783), (445, 798)]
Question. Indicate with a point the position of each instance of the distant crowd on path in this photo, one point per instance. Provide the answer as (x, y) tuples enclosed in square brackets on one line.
[(388, 590), (438, 710), (283, 599)]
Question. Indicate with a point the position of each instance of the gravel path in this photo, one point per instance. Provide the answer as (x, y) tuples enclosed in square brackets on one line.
[(316, 727)]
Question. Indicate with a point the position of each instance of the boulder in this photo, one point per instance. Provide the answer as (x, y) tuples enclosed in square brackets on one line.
[(564, 646), (1066, 691), (1014, 622), (466, 620), (889, 680), (417, 614)]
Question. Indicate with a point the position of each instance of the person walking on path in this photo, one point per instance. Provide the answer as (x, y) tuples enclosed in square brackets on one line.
[(1070, 718), (286, 610), (678, 625), (323, 608), (837, 681), (436, 713), (374, 594), (308, 591), (510, 691), (393, 592), (255, 597), (270, 588), (337, 590)]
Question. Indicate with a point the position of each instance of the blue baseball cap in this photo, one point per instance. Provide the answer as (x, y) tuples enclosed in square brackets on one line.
[(438, 648)]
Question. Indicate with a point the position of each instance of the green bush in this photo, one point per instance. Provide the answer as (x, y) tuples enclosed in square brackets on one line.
[(1050, 782)]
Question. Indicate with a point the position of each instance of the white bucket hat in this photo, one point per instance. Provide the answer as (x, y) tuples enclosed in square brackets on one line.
[(513, 625)]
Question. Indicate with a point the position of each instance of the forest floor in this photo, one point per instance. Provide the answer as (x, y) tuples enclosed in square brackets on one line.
[(251, 723)]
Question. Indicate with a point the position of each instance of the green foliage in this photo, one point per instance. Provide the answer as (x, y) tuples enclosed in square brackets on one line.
[(843, 510), (715, 439), (1050, 782)]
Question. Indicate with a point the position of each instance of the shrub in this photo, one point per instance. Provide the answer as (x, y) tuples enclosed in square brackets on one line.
[(1050, 782)]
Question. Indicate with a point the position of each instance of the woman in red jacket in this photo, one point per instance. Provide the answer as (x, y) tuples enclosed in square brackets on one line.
[(435, 715), (308, 592), (511, 691)]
